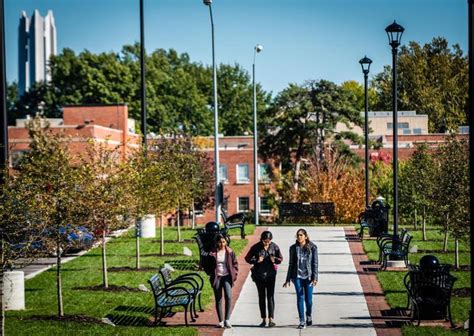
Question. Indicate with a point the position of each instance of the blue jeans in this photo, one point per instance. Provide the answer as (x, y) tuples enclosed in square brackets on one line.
[(304, 295)]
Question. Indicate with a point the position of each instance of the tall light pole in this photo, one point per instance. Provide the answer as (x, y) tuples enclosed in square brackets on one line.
[(365, 64), (471, 149), (258, 48), (142, 76), (216, 117), (394, 33), (3, 97)]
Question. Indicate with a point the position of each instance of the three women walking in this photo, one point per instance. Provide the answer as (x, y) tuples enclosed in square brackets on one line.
[(265, 256)]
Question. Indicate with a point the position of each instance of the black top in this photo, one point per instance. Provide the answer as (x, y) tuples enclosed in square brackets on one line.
[(266, 269)]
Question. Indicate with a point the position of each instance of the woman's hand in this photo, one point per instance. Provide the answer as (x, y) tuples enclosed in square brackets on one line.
[(260, 259), (286, 284), (314, 283), (272, 258)]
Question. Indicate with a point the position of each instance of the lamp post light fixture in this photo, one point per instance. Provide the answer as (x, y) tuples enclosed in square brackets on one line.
[(216, 119), (365, 64), (258, 48), (394, 33)]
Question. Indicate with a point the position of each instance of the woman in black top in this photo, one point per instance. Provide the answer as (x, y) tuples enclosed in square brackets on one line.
[(264, 256)]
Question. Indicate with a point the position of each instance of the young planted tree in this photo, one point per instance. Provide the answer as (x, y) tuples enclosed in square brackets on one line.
[(416, 185), (54, 183), (145, 189), (105, 194), (452, 190), (21, 229)]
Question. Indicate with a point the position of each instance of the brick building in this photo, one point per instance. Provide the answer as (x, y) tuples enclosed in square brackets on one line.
[(105, 123)]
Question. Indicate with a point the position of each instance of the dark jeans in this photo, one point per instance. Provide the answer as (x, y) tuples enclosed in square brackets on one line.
[(224, 284), (266, 289), (304, 295)]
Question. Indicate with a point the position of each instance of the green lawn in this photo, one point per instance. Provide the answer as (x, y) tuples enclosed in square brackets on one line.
[(132, 307), (392, 282)]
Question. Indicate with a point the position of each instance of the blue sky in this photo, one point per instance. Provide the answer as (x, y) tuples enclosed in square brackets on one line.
[(302, 39)]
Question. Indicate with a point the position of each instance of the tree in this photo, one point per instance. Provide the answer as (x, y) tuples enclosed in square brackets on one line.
[(55, 184), (417, 184), (432, 80), (452, 190), (105, 194), (20, 228), (356, 90), (179, 92), (301, 120)]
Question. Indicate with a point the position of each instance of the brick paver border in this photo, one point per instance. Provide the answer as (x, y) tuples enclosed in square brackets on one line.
[(385, 321)]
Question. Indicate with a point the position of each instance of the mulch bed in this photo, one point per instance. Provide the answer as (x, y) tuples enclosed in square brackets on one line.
[(163, 255), (112, 288), (130, 269), (462, 292), (188, 240), (66, 318)]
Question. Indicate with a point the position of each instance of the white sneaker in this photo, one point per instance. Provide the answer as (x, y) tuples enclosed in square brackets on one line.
[(227, 324), (220, 324)]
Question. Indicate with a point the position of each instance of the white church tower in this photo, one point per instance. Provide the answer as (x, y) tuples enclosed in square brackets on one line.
[(36, 43)]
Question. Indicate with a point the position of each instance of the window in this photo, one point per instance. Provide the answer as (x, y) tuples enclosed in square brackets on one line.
[(417, 131), (264, 172), (264, 206), (243, 173), (243, 204), (223, 173), (406, 131), (198, 210), (400, 125)]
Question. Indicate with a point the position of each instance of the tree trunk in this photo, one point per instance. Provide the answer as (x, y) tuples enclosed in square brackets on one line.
[(296, 178), (104, 262), (59, 286), (193, 218), (423, 223), (2, 328), (137, 243), (415, 222), (456, 253), (178, 223), (162, 237), (446, 233)]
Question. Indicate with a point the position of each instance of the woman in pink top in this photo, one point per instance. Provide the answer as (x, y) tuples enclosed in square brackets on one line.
[(222, 268)]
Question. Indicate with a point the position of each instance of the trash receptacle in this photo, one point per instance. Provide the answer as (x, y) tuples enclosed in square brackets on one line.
[(206, 238), (379, 214)]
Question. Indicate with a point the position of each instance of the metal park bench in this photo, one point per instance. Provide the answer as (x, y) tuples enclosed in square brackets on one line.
[(304, 212), (234, 221), (429, 292), (175, 295), (192, 281), (395, 249)]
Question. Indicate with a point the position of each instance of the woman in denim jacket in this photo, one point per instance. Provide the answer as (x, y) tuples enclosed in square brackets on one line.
[(303, 272)]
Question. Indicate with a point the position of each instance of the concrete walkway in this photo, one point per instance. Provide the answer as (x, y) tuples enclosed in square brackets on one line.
[(339, 305)]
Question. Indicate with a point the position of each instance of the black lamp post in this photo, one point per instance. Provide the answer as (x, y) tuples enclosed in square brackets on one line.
[(216, 117), (365, 64), (394, 33), (3, 97)]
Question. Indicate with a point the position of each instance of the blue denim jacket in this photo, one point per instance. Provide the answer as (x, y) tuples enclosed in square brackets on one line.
[(312, 266)]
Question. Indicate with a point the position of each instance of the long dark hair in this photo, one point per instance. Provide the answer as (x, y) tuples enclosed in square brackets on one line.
[(307, 246), (266, 235), (218, 239)]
